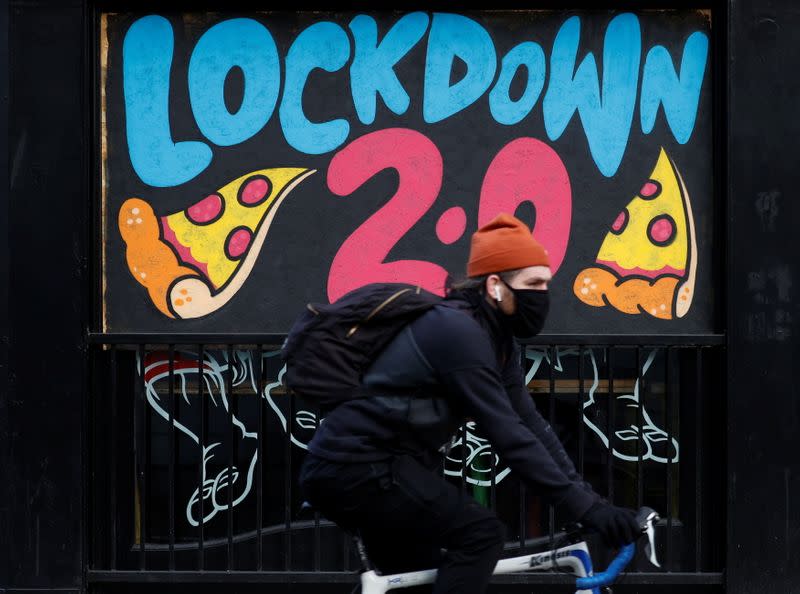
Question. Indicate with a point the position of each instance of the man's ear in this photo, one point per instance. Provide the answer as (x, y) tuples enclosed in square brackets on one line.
[(493, 287)]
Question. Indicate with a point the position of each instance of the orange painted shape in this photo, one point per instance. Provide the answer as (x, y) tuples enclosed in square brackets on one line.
[(599, 287), (152, 263)]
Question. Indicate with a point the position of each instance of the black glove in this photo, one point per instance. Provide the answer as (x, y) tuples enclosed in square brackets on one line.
[(616, 525)]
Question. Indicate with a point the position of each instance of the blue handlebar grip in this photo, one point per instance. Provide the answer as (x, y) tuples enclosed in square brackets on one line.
[(609, 575)]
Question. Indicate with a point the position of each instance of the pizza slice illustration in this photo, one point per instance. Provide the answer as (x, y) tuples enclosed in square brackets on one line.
[(647, 262), (192, 262)]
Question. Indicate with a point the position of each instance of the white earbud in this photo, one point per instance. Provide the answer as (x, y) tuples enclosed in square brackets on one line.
[(497, 293)]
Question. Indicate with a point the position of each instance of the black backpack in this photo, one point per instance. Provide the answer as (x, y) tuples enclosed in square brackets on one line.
[(330, 346)]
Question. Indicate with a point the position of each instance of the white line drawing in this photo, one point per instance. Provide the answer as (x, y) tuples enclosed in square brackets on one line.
[(305, 419), (653, 439), (214, 492), (478, 465), (472, 459)]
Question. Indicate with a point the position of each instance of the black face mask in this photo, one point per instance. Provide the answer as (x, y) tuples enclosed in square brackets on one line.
[(532, 307)]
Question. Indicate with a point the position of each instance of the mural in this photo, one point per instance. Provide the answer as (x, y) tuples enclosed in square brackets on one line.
[(625, 438), (218, 477), (216, 240), (648, 260), (523, 168), (421, 128), (470, 457), (249, 45), (216, 484)]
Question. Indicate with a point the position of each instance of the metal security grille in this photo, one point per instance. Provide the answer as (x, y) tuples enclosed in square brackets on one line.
[(196, 445)]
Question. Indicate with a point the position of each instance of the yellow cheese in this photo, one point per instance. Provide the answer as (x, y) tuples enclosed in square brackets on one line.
[(648, 221), (207, 241)]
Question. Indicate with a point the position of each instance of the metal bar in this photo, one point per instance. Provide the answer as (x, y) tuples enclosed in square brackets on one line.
[(523, 495), (640, 437), (201, 402), (626, 339), (207, 338), (493, 486), (242, 537), (317, 535), (464, 456), (231, 438), (89, 244), (611, 423), (88, 428), (171, 450), (259, 460), (348, 577), (581, 396), (698, 461), (345, 552), (112, 447), (287, 481), (222, 577), (551, 415), (668, 427), (148, 444), (137, 338), (142, 478), (98, 544), (523, 514)]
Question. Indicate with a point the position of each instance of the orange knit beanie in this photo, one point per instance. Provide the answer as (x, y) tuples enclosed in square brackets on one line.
[(505, 243)]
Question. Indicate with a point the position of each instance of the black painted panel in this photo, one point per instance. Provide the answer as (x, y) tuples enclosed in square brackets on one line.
[(47, 218), (764, 402)]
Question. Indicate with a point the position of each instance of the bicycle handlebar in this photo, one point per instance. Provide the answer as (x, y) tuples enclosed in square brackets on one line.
[(608, 576), (645, 517)]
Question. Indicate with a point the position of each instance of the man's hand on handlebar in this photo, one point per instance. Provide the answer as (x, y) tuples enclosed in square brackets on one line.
[(617, 526)]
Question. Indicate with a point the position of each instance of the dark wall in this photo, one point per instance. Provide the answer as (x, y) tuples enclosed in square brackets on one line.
[(46, 248), (764, 404), (5, 452)]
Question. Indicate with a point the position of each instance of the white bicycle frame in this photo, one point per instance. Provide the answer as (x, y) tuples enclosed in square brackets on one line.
[(575, 557)]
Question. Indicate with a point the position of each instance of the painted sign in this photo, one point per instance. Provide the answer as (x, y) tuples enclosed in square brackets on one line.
[(254, 164)]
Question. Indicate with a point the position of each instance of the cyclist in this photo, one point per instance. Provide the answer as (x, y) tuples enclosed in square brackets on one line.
[(374, 465)]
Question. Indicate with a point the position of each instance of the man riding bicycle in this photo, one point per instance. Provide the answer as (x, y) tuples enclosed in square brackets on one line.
[(374, 465)]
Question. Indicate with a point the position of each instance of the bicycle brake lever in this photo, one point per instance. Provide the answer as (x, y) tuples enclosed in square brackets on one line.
[(647, 518), (573, 531)]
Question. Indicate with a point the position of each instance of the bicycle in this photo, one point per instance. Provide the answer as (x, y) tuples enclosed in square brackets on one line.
[(574, 556)]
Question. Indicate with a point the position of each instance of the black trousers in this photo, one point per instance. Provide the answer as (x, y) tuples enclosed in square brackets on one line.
[(405, 515)]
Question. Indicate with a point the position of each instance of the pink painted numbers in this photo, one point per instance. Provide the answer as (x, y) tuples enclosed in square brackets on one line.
[(525, 170)]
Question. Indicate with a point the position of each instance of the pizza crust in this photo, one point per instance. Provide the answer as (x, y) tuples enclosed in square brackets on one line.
[(599, 287), (151, 261), (685, 292)]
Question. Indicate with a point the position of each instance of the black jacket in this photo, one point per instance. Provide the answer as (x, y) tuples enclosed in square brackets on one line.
[(456, 361)]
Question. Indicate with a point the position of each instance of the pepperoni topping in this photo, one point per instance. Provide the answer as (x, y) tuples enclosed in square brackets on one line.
[(619, 224), (237, 243), (206, 211), (661, 230), (651, 189), (254, 191)]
